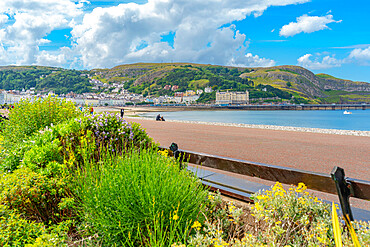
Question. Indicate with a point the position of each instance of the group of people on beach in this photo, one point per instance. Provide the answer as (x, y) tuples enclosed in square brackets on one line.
[(159, 118)]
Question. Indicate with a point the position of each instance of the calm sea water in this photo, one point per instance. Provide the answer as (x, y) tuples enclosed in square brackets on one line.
[(358, 120)]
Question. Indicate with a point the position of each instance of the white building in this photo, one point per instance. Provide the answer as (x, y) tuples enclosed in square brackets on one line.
[(232, 98), (208, 90)]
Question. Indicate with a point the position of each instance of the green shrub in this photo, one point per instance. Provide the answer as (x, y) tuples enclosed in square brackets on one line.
[(29, 116), (293, 216), (74, 138), (39, 171), (36, 196), (279, 217), (17, 231), (114, 133), (140, 198)]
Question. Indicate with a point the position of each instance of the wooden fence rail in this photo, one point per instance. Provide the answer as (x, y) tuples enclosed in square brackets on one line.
[(315, 181)]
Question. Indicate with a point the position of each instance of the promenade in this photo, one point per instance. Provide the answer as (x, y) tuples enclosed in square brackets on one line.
[(314, 152)]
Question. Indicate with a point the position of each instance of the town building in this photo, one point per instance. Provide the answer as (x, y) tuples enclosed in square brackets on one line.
[(179, 94), (189, 93), (208, 90), (232, 98), (167, 87)]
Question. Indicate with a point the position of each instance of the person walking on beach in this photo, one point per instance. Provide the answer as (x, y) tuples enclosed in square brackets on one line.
[(91, 110), (122, 112)]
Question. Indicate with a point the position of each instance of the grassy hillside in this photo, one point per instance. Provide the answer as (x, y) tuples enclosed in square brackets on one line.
[(289, 83), (44, 79), (305, 86)]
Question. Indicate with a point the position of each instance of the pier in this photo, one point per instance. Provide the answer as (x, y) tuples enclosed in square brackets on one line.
[(302, 107)]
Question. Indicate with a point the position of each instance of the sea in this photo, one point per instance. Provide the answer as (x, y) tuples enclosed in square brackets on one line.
[(322, 119)]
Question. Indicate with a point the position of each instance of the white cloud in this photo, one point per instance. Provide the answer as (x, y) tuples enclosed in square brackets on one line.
[(353, 46), (3, 19), (325, 63), (31, 21), (251, 61), (110, 36), (45, 58), (361, 54), (307, 24), (3, 55)]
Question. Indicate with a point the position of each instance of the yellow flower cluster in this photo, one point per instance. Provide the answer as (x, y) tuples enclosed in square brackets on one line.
[(175, 217), (301, 187), (196, 225), (290, 217), (163, 153)]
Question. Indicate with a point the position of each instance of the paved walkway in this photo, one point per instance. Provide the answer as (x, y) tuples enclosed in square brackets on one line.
[(307, 151)]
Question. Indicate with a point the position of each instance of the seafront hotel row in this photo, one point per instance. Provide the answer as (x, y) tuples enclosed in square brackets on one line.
[(222, 98)]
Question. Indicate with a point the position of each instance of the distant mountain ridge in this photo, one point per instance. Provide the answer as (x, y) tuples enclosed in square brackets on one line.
[(287, 82), (303, 83)]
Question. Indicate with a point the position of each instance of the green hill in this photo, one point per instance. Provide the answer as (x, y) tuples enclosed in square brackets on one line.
[(288, 83), (44, 79)]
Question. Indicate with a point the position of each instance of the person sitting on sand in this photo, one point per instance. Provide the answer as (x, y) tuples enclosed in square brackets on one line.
[(158, 118), (162, 119)]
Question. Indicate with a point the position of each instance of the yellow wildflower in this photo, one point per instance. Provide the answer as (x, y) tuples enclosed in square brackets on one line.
[(175, 217), (262, 197), (231, 208), (301, 187), (196, 225), (163, 153)]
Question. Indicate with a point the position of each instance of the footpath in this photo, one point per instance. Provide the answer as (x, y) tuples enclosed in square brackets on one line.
[(246, 188)]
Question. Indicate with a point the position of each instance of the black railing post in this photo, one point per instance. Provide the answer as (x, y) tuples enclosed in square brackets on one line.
[(344, 190), (176, 153)]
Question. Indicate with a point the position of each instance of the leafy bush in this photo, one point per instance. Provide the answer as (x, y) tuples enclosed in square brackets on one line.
[(39, 171), (37, 197), (279, 218), (17, 231), (142, 190), (28, 116), (73, 138), (43, 166), (293, 217), (113, 131)]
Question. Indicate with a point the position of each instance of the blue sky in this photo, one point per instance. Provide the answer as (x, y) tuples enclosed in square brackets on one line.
[(325, 36)]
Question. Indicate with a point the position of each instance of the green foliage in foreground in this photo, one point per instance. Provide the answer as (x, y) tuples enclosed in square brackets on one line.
[(15, 230), (36, 187), (96, 181), (132, 198), (29, 116), (279, 217)]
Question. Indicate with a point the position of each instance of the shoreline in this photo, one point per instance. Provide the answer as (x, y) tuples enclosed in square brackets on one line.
[(269, 127), (134, 113)]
